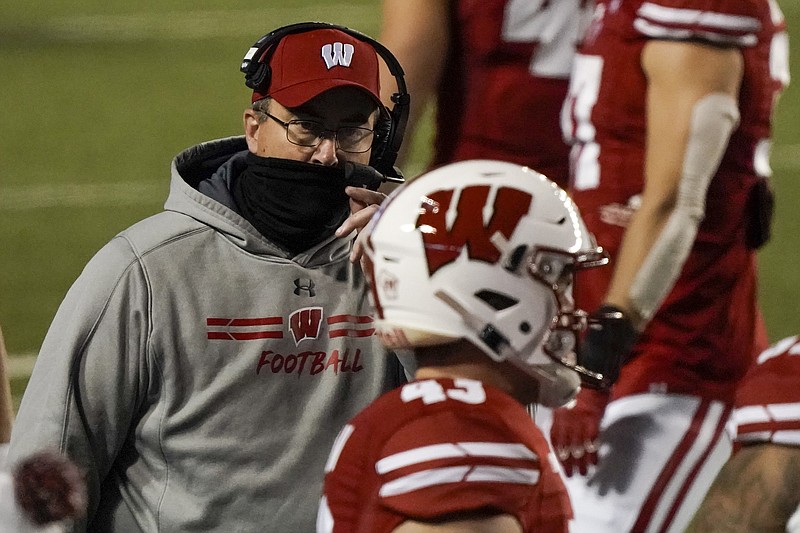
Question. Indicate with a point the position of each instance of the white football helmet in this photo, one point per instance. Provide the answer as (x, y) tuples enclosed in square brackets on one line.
[(485, 251)]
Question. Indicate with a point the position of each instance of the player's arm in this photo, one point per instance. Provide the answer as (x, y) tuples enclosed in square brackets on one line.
[(691, 112), (6, 409), (494, 524), (758, 489), (417, 32)]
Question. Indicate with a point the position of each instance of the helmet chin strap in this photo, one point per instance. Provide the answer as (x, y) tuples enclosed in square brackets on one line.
[(556, 388)]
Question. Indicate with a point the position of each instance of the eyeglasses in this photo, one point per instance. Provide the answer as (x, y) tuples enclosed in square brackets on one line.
[(309, 133)]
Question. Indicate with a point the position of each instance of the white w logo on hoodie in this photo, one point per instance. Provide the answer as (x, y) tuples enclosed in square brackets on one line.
[(337, 54)]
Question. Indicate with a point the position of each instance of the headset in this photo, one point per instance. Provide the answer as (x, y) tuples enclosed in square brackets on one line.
[(391, 125)]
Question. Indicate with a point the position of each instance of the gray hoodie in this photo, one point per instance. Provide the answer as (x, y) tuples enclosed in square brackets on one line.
[(198, 372)]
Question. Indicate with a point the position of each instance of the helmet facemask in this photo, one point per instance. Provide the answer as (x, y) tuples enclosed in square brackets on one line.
[(547, 353), (562, 343)]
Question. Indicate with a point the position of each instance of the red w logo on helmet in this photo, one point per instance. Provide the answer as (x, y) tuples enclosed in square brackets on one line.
[(443, 245)]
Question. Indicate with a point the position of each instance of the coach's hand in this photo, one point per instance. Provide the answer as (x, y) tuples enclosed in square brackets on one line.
[(363, 204), (575, 431)]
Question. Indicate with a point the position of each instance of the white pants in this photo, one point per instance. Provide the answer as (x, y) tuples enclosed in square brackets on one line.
[(658, 455)]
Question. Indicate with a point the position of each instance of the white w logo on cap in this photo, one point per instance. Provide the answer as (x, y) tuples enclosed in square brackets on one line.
[(337, 54)]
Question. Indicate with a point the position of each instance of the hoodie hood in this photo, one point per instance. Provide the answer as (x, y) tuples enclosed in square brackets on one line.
[(200, 188)]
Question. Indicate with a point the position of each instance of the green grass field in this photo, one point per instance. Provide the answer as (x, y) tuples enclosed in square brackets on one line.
[(96, 97)]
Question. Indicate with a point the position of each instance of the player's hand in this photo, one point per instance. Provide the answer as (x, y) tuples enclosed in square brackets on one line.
[(363, 204), (607, 345), (49, 488), (575, 431)]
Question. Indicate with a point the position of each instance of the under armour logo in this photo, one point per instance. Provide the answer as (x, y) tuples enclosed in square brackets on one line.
[(309, 288), (337, 54)]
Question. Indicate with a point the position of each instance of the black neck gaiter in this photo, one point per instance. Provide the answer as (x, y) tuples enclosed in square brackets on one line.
[(293, 204)]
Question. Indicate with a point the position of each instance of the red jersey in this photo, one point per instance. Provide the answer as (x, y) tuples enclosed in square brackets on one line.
[(701, 339), (441, 448), (768, 400), (505, 80)]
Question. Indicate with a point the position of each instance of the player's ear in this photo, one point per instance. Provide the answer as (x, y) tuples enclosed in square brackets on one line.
[(251, 129)]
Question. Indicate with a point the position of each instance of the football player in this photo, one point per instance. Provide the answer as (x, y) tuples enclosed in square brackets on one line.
[(471, 265), (669, 112), (497, 71), (758, 489)]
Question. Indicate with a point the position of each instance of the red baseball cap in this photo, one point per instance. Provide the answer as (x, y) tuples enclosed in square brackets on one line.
[(307, 64)]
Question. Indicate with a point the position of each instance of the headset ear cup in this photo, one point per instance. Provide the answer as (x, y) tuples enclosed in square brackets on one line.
[(259, 78), (383, 133)]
